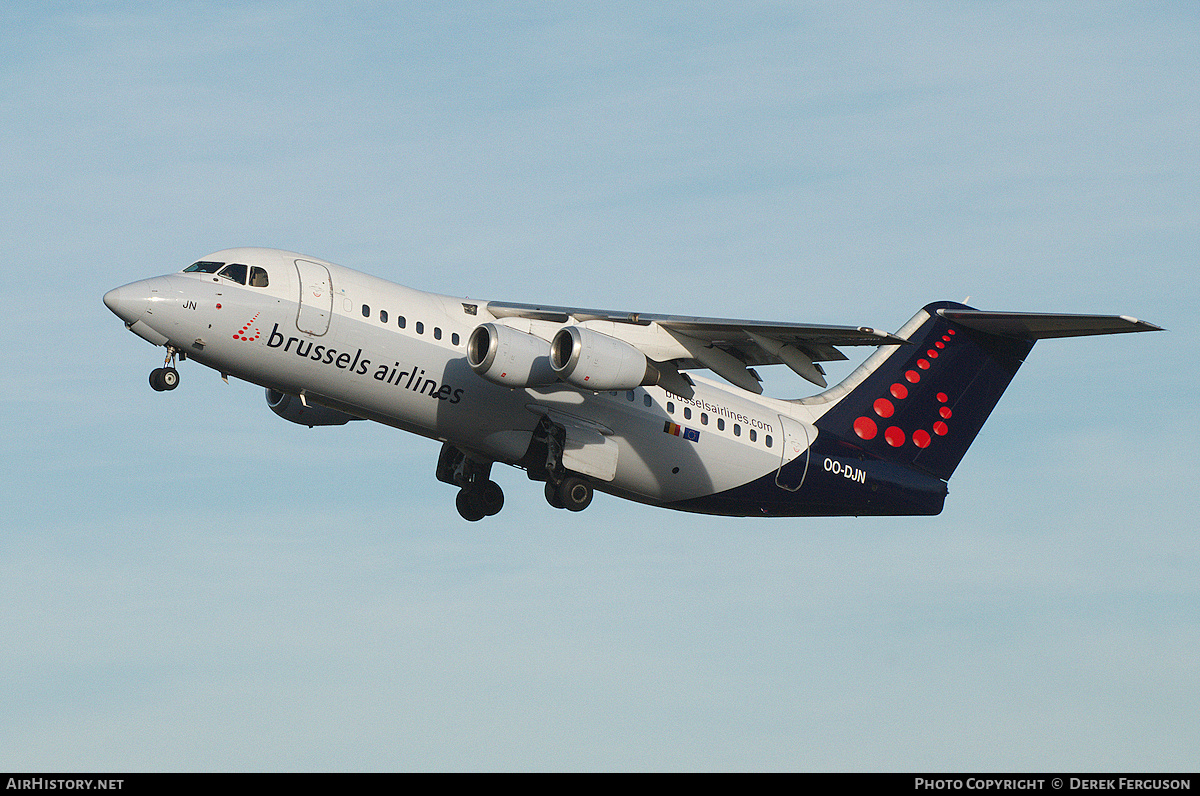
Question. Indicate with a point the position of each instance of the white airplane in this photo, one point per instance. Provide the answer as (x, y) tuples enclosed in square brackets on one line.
[(591, 399)]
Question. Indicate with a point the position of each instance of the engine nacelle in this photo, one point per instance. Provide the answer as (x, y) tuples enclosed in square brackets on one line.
[(509, 357), (290, 407), (594, 361)]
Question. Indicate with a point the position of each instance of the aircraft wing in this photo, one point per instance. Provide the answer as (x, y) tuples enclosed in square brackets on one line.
[(728, 347)]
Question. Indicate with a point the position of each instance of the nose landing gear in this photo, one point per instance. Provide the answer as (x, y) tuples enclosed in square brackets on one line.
[(167, 377)]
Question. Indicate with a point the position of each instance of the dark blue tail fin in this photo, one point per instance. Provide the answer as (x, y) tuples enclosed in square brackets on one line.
[(922, 404)]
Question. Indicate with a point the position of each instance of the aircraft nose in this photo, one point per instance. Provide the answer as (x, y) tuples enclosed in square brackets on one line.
[(128, 302)]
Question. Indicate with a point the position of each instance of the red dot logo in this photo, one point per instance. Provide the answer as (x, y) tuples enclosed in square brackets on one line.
[(242, 334), (865, 428)]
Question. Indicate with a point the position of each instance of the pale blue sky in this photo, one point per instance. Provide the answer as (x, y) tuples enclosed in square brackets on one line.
[(188, 582)]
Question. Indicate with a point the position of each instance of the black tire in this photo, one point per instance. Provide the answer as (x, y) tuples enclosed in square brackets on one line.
[(169, 378), (469, 505), (575, 494), (491, 497), (156, 380)]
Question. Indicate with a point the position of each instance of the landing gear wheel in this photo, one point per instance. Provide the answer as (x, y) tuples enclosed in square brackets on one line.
[(575, 494), (478, 501), (491, 497), (470, 505), (164, 379)]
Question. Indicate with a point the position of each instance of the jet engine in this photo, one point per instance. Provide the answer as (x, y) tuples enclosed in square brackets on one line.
[(594, 361), (290, 407), (509, 357)]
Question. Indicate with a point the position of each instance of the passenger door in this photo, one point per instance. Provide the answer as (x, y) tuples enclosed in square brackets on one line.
[(316, 298)]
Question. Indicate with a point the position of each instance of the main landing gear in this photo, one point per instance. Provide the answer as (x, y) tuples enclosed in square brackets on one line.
[(478, 497), (544, 462), (166, 377)]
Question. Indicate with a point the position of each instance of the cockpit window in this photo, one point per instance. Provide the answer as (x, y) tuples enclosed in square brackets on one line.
[(258, 276), (203, 267), (234, 271)]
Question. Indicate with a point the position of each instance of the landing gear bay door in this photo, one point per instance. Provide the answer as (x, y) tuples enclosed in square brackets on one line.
[(587, 449)]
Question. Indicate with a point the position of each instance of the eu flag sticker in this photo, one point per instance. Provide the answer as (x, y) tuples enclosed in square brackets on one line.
[(690, 434)]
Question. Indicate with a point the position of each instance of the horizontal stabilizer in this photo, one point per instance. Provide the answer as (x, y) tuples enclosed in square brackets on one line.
[(1040, 326)]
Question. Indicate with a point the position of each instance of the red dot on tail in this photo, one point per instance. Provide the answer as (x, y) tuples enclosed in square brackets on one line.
[(941, 429), (884, 408), (943, 397), (921, 438), (899, 391), (945, 412), (912, 377), (865, 428), (923, 364), (894, 436)]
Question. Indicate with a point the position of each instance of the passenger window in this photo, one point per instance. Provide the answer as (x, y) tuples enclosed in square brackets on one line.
[(366, 311), (400, 320), (235, 272), (720, 424), (258, 276), (737, 430), (753, 435), (704, 418), (437, 333), (454, 338), (647, 400), (687, 413), (420, 328), (629, 395), (670, 407), (383, 316), (768, 440)]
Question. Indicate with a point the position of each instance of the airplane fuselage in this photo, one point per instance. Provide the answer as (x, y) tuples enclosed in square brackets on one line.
[(395, 355)]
